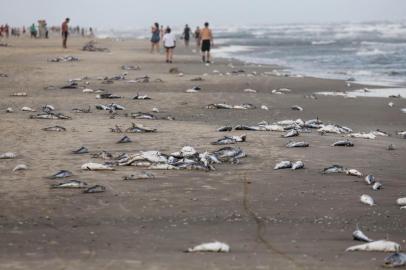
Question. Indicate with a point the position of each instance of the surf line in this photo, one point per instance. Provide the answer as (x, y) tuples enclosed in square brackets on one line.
[(261, 226)]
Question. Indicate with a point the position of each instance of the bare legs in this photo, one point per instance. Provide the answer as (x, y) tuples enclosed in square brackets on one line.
[(169, 55), (156, 46)]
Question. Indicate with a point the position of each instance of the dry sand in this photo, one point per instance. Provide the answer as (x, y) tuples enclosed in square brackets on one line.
[(271, 219)]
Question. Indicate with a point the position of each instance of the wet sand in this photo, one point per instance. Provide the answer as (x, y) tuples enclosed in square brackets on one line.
[(271, 219)]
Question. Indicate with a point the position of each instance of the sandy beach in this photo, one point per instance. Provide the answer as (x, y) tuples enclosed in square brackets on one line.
[(272, 219)]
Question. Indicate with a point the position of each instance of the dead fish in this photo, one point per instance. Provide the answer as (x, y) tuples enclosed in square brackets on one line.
[(250, 91), (264, 107), (377, 186), (401, 201), (291, 133), (360, 236), (346, 143), (370, 135), (230, 140), (54, 128), (8, 155), (162, 166), (87, 90), (107, 96), (19, 94), (141, 115), (72, 85), (379, 132), (210, 247), (61, 174), (333, 169), (124, 139), (138, 128), (391, 104), (139, 176), (9, 110), (77, 110), (91, 166), (197, 79), (395, 260), (245, 106), (48, 108), (219, 106), (380, 245), (27, 109), (366, 199), (283, 165), (297, 165), (297, 144), (225, 129), (70, 184), (95, 189), (251, 128), (194, 89), (20, 167), (297, 108), (353, 172), (370, 179), (130, 67), (81, 150), (141, 97), (229, 154)]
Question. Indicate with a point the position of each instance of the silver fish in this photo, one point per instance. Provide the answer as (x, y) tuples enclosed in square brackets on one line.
[(334, 169), (395, 260), (70, 184), (291, 133), (297, 144), (138, 128), (61, 174), (141, 115), (370, 179), (54, 128), (377, 186), (141, 97), (360, 236), (297, 165), (139, 176), (297, 108), (81, 150), (283, 165), (346, 143), (366, 199), (225, 128), (125, 139), (95, 189)]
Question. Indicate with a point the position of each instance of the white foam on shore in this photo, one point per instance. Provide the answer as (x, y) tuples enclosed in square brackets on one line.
[(226, 51), (381, 93)]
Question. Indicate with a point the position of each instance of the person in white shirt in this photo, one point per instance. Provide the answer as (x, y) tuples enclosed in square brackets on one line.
[(169, 41)]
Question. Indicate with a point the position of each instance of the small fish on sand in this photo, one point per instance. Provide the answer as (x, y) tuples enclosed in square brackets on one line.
[(70, 184), (334, 169), (291, 133), (95, 189), (353, 172), (80, 151), (370, 179), (369, 136), (91, 166), (130, 67), (19, 94), (360, 236), (401, 201), (125, 139), (78, 110), (88, 90), (345, 143), (250, 90), (55, 128), (230, 140), (296, 108), (139, 128), (377, 186), (20, 167), (61, 174), (391, 104), (264, 107), (139, 176), (297, 165), (9, 110), (8, 155), (27, 109), (380, 245), (395, 260), (294, 144), (194, 89), (225, 129), (366, 199), (141, 97), (210, 247), (283, 165)]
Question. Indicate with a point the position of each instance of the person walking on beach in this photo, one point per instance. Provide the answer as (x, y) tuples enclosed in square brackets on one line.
[(207, 42), (197, 37), (65, 32), (155, 38), (186, 35), (33, 31), (169, 41)]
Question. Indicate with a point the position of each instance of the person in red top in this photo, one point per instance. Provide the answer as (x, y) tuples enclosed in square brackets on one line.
[(65, 32)]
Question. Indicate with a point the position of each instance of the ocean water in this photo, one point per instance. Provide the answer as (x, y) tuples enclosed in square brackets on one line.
[(364, 52)]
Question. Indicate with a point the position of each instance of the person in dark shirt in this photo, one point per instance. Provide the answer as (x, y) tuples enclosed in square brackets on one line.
[(186, 35)]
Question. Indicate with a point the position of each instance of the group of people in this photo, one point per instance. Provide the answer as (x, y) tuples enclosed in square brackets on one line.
[(4, 30), (203, 37)]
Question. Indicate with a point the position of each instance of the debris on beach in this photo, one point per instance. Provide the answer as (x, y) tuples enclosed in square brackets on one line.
[(55, 128), (210, 247)]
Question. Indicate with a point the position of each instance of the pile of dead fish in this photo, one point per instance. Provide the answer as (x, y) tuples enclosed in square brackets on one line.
[(48, 112), (91, 47), (186, 158), (67, 58)]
